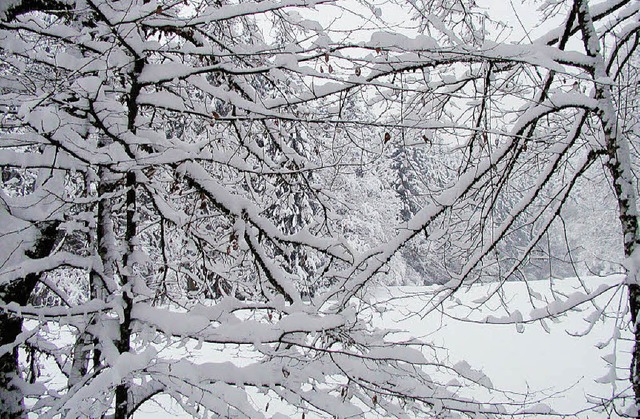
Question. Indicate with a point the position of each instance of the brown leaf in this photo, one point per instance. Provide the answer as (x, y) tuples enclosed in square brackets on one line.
[(358, 71), (387, 137), (159, 10), (378, 50), (326, 57), (330, 69), (215, 115)]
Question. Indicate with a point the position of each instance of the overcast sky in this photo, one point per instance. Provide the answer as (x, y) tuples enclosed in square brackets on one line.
[(520, 16)]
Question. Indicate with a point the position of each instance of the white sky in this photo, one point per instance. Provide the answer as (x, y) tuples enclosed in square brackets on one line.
[(520, 16)]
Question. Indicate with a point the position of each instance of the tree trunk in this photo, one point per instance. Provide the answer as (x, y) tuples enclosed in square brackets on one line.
[(123, 408), (619, 166), (627, 213), (100, 240), (11, 395), (124, 343)]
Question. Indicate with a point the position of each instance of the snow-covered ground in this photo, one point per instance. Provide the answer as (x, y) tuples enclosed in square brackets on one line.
[(544, 360), (554, 358)]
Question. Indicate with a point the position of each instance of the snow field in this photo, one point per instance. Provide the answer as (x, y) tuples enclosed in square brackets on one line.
[(550, 361)]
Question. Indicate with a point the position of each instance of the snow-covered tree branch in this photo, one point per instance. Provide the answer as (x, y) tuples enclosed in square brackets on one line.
[(240, 176)]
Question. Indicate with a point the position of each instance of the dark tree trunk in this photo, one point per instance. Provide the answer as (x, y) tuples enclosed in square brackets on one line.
[(11, 397), (123, 408), (124, 343)]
